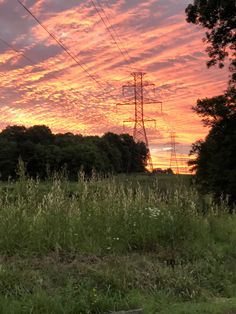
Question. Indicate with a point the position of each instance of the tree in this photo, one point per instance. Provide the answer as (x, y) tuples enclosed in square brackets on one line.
[(15, 133), (215, 157), (113, 147), (40, 134), (43, 152), (9, 155), (219, 17), (125, 154), (218, 108)]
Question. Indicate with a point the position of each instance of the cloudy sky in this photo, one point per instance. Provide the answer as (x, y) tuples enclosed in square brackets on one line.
[(41, 84)]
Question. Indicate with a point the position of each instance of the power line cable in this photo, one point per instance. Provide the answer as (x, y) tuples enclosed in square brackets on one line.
[(60, 44), (15, 50), (68, 53), (113, 28), (110, 32), (66, 50), (30, 60)]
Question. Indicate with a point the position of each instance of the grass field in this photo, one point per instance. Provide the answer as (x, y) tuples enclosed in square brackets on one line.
[(119, 243)]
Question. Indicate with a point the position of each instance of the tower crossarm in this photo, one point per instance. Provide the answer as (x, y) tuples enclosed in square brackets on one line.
[(127, 87), (137, 89), (129, 121), (151, 120), (145, 84), (144, 120), (125, 104), (150, 102)]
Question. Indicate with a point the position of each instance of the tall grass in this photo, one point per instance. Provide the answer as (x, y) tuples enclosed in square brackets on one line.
[(109, 244), (103, 216)]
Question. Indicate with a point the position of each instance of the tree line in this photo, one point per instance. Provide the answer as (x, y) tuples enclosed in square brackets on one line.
[(215, 162), (44, 152)]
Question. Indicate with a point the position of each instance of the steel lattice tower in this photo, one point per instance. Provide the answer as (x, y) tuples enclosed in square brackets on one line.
[(139, 131), (173, 158)]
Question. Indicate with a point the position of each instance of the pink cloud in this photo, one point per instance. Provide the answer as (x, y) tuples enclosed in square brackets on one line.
[(56, 92)]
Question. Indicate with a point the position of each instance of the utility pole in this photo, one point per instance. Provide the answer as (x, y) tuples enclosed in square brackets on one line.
[(138, 90), (173, 158)]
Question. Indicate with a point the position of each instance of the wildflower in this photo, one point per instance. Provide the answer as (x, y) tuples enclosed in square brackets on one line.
[(193, 205), (154, 212)]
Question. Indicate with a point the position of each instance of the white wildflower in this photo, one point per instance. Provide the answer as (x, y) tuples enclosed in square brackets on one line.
[(154, 212)]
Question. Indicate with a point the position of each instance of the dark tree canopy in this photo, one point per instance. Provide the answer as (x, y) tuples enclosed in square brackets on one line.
[(217, 108), (44, 152), (215, 162), (215, 157), (219, 17)]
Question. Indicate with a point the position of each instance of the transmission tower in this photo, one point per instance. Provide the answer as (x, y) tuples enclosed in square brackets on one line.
[(173, 158), (183, 163), (138, 90)]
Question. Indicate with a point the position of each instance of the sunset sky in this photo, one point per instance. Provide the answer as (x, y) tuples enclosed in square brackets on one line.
[(41, 84)]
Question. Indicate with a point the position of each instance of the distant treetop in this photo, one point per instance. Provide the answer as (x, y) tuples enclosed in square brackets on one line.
[(44, 152)]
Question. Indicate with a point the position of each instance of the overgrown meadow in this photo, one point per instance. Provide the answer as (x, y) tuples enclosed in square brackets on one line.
[(103, 244)]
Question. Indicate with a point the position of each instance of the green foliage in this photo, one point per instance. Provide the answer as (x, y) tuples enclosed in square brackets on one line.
[(119, 243), (100, 285), (218, 108), (219, 17), (97, 216), (44, 153), (101, 216), (215, 157), (215, 162)]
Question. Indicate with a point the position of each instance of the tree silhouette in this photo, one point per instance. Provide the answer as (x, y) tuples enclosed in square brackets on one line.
[(219, 18), (215, 163), (44, 152), (215, 157)]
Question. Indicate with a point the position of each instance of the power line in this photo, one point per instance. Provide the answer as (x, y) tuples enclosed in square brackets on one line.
[(113, 29), (60, 44), (67, 51), (15, 50), (109, 31), (32, 62), (108, 4)]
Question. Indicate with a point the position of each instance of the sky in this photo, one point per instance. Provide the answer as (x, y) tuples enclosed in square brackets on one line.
[(41, 84)]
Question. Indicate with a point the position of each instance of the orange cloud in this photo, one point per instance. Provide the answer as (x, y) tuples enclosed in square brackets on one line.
[(57, 92)]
